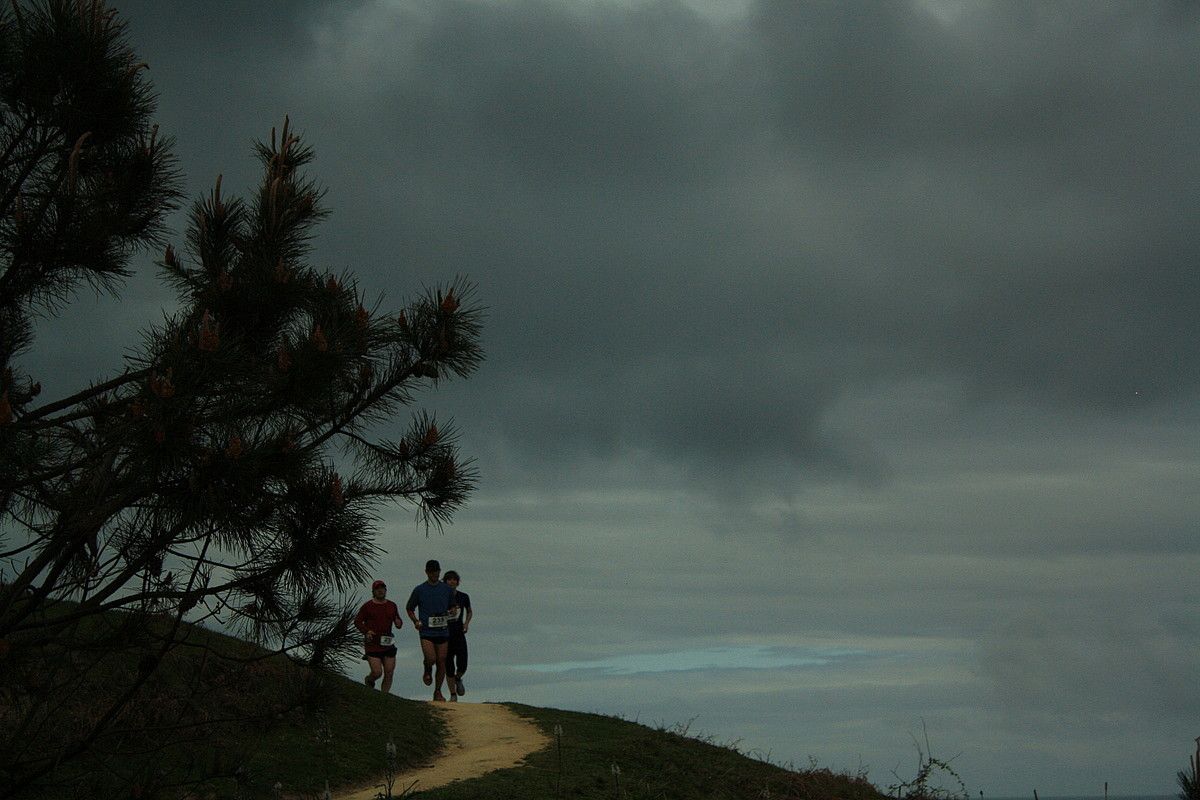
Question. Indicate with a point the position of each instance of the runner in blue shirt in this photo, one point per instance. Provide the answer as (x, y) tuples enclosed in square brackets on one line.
[(434, 599)]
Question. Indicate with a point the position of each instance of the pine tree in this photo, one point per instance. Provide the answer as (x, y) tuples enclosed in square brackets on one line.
[(233, 470)]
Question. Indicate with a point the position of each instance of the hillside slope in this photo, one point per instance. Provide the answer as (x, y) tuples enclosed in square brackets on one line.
[(339, 736), (603, 757)]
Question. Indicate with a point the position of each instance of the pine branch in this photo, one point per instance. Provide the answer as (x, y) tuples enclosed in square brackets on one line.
[(86, 394)]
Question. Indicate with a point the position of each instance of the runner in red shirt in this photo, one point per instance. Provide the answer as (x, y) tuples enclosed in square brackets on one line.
[(374, 620)]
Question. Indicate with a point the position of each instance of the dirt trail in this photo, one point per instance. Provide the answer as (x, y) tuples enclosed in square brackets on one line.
[(483, 737)]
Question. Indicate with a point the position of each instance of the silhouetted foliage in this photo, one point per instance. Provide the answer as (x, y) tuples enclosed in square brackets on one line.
[(929, 781), (1189, 785), (200, 482)]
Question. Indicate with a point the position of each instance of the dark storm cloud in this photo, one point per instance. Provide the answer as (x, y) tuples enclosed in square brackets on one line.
[(582, 162), (945, 79), (698, 236), (222, 73), (1067, 133), (769, 216)]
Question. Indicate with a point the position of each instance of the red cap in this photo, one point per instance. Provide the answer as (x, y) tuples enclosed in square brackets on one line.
[(377, 584)]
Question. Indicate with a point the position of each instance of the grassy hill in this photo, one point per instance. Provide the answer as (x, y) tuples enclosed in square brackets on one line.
[(653, 763), (268, 728), (215, 705)]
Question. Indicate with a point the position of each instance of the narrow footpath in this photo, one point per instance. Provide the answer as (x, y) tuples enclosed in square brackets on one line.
[(483, 737)]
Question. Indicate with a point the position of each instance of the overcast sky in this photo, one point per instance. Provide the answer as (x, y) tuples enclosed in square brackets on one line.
[(843, 360)]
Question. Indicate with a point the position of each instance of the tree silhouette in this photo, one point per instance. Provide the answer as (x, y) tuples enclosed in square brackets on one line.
[(1189, 785), (233, 470)]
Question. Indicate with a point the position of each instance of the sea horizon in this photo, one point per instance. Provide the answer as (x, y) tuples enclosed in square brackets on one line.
[(1048, 796)]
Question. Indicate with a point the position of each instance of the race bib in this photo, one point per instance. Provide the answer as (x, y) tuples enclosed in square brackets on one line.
[(386, 641), (437, 622)]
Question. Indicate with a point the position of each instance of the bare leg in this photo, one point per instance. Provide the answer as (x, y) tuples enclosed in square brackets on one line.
[(389, 666), (376, 665), (435, 656), (429, 654), (440, 675)]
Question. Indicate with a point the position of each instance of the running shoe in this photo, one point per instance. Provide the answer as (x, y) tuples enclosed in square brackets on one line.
[(453, 698), (438, 697), (427, 676), (458, 686)]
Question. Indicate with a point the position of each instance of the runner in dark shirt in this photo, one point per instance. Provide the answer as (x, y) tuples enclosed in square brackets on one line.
[(433, 599), (456, 649), (374, 620)]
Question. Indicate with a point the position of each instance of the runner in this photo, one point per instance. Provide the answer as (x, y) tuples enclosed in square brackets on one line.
[(456, 650), (433, 598), (374, 620)]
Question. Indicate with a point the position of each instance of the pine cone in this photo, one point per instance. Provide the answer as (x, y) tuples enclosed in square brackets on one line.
[(318, 340), (162, 386), (234, 450), (210, 338)]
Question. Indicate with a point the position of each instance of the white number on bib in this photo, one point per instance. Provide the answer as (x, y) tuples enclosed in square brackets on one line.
[(437, 622), (386, 641)]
